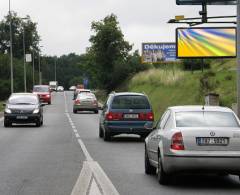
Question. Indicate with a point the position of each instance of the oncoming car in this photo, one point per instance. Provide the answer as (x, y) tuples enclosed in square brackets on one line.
[(44, 93), (194, 139), (23, 108), (126, 113)]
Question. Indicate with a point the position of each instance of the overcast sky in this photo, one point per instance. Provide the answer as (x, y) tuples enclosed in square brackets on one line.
[(64, 25)]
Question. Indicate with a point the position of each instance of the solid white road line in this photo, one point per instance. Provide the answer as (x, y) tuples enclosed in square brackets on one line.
[(84, 179), (94, 190), (84, 149)]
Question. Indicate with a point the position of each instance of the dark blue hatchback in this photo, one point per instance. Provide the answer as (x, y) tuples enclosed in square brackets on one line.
[(126, 113)]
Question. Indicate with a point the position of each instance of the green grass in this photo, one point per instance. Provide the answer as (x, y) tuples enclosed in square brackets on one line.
[(1, 106), (169, 88)]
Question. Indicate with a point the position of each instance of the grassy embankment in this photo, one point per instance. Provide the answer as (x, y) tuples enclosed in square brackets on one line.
[(1, 106), (166, 87)]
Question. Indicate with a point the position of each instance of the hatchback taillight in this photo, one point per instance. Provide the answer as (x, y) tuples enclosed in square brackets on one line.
[(177, 141), (114, 116), (146, 116), (77, 101)]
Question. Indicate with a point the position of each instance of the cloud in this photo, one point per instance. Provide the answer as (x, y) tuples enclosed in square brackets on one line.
[(64, 25)]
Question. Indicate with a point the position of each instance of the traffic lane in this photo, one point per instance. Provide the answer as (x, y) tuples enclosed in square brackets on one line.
[(123, 161), (45, 160)]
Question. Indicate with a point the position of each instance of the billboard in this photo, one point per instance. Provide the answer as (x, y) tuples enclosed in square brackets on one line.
[(212, 42), (158, 52), (209, 2)]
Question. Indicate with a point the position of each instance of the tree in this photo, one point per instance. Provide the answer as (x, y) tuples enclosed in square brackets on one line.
[(108, 49), (18, 25)]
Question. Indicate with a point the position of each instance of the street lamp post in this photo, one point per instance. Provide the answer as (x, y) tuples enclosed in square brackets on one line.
[(24, 61), (11, 49), (55, 64), (33, 71), (39, 68)]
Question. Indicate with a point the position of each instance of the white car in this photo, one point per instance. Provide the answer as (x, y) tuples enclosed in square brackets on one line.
[(72, 88), (194, 139), (60, 88)]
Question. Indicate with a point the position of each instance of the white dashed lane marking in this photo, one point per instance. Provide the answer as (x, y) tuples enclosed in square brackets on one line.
[(92, 179)]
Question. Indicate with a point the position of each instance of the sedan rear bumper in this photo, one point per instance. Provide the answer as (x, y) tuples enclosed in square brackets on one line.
[(127, 127), (85, 107), (202, 164)]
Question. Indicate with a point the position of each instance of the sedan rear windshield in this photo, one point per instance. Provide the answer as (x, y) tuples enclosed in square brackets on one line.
[(206, 119), (41, 89), (21, 99), (130, 102)]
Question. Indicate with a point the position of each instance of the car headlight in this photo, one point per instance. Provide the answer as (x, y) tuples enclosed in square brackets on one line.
[(7, 110), (36, 111)]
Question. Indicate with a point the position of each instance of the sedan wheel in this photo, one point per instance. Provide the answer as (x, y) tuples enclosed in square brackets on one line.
[(38, 123), (149, 169), (163, 178), (7, 124), (100, 131), (106, 136)]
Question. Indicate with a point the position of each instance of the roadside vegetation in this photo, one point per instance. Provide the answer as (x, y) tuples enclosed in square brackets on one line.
[(176, 86), (1, 106)]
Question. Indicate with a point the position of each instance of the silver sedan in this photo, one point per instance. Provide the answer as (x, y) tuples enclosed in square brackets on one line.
[(194, 139)]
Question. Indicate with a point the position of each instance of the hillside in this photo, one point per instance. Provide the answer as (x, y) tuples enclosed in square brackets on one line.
[(173, 86)]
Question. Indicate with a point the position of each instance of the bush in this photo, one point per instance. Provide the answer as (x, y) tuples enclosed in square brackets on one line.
[(195, 64)]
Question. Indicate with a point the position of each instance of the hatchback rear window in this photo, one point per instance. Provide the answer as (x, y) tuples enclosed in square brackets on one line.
[(41, 89), (206, 119), (130, 102)]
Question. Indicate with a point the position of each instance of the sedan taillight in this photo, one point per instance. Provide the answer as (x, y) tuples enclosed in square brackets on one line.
[(77, 101), (146, 116), (113, 116), (177, 141)]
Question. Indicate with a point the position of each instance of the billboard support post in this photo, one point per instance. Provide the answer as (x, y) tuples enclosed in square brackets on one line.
[(203, 13), (238, 58)]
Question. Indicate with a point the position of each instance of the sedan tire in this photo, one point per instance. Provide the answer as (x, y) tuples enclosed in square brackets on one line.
[(74, 111), (149, 169), (100, 131), (7, 124), (163, 178), (38, 123), (106, 136)]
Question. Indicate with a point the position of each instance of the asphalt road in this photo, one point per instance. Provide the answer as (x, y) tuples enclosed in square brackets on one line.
[(48, 160), (40, 161), (122, 159)]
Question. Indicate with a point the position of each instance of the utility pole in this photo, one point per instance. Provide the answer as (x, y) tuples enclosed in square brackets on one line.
[(33, 71), (238, 58), (55, 64), (39, 68), (11, 48), (24, 61)]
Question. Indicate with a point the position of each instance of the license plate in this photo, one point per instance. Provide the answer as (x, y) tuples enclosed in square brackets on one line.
[(131, 116), (212, 141), (22, 117)]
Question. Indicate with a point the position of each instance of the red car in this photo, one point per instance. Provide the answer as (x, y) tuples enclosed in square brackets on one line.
[(44, 93)]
